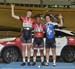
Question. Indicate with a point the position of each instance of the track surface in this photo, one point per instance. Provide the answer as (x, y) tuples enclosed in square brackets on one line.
[(16, 65)]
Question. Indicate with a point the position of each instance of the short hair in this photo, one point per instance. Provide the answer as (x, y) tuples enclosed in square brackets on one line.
[(50, 16), (29, 10), (47, 15)]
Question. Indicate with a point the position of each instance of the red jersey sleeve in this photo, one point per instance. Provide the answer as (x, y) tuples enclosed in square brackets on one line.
[(33, 20), (44, 26), (33, 23), (22, 18)]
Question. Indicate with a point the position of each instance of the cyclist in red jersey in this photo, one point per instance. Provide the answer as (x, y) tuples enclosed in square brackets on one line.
[(38, 42), (26, 37)]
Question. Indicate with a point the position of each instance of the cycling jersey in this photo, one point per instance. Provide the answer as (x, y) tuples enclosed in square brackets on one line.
[(27, 22), (39, 30), (50, 29), (27, 28)]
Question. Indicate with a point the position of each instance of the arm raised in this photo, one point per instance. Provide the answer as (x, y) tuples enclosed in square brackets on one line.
[(61, 20), (13, 13)]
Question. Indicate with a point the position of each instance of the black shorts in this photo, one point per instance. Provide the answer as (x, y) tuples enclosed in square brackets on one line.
[(38, 43), (26, 36), (50, 43), (29, 40)]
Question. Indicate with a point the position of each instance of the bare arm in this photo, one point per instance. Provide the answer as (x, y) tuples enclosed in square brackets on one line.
[(13, 14), (61, 20)]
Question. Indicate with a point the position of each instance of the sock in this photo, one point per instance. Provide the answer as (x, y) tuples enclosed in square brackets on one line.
[(24, 60), (28, 60), (47, 61), (42, 59), (34, 59), (54, 61)]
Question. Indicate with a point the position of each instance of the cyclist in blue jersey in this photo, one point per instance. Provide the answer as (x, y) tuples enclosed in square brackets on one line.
[(50, 37)]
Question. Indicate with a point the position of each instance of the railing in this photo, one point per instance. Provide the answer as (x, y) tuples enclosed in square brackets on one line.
[(39, 3)]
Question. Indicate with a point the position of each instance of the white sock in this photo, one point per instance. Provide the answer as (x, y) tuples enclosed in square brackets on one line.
[(34, 59), (24, 60), (47, 61), (28, 60), (42, 59), (54, 61)]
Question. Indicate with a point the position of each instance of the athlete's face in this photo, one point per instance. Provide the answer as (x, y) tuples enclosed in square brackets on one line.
[(47, 18), (38, 19), (29, 13)]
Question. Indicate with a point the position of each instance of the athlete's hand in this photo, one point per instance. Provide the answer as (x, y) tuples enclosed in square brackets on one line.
[(60, 16)]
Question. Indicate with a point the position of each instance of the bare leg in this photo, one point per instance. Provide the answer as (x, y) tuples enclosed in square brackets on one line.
[(29, 51), (42, 55), (23, 54), (54, 55), (47, 55), (34, 55)]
